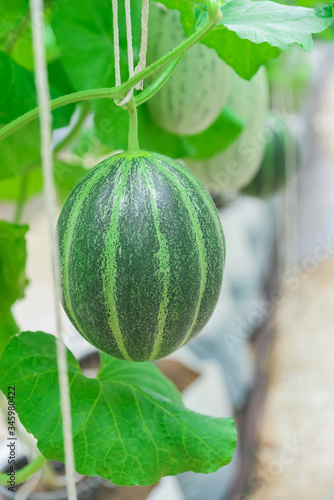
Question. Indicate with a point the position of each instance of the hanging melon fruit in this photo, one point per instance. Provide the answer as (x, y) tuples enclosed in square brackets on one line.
[(235, 167), (280, 156), (142, 254), (193, 96)]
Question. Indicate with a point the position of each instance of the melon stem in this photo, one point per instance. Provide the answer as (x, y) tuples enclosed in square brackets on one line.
[(133, 144)]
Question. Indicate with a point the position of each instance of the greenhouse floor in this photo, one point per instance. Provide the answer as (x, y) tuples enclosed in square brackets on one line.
[(296, 439)]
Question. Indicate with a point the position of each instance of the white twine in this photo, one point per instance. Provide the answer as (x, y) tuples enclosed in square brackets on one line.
[(116, 42), (143, 46), (129, 36), (144, 40), (43, 96)]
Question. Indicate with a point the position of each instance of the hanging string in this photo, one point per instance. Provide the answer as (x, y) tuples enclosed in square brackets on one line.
[(143, 46), (144, 40), (43, 95), (129, 36), (116, 43)]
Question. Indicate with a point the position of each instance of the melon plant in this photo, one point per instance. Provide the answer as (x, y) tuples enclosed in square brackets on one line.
[(281, 146), (141, 246), (193, 96), (234, 168), (142, 254)]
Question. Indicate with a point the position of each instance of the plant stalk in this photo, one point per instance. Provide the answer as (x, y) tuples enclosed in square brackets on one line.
[(25, 473), (133, 144)]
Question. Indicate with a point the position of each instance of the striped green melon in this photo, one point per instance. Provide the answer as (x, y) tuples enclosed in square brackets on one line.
[(280, 148), (234, 168), (142, 254), (193, 96)]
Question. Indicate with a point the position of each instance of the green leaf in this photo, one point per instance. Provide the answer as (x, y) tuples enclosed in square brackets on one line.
[(279, 25), (84, 34), (154, 138), (21, 149), (244, 56), (66, 178), (58, 77), (218, 136), (8, 328), (10, 188), (187, 9), (112, 124), (129, 425), (251, 33), (11, 14), (18, 93), (12, 264)]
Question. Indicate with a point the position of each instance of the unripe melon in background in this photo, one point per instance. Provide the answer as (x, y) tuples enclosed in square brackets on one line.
[(193, 96), (280, 155), (235, 167), (141, 254)]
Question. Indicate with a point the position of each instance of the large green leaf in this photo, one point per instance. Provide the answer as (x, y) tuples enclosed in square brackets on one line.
[(20, 150), (8, 328), (12, 263), (12, 276), (229, 47), (129, 424), (18, 93), (11, 14), (17, 96), (84, 32), (279, 25), (250, 33)]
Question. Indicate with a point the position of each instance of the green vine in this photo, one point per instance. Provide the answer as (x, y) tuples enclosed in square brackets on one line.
[(27, 471), (158, 83)]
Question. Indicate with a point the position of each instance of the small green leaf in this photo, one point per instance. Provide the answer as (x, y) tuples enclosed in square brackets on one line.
[(218, 136), (129, 425), (12, 263), (85, 24)]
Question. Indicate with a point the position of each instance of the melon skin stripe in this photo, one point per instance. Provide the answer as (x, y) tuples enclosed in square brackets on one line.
[(142, 254)]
